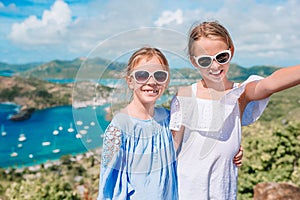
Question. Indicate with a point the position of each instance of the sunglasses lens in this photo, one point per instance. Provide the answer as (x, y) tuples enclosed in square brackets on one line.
[(223, 58), (141, 76), (160, 76), (204, 61)]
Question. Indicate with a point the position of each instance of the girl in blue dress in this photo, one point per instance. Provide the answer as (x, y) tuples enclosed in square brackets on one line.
[(138, 159)]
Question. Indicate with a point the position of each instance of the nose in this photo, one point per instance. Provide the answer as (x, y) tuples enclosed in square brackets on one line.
[(214, 64), (151, 80)]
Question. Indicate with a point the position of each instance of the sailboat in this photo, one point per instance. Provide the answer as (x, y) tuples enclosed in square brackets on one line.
[(45, 143), (71, 129), (92, 123), (3, 132), (83, 132), (89, 140), (55, 150), (60, 128), (22, 137), (55, 132), (14, 153), (79, 123)]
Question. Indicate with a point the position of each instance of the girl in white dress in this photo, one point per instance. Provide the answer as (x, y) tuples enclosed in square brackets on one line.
[(206, 117)]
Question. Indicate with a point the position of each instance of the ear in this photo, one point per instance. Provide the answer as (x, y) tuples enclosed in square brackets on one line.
[(130, 82)]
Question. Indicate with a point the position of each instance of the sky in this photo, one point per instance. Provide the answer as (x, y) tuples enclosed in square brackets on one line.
[(264, 32)]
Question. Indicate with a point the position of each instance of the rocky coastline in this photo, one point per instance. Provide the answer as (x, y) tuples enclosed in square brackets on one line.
[(23, 114)]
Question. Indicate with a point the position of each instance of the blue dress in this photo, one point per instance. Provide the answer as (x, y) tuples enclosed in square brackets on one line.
[(138, 159)]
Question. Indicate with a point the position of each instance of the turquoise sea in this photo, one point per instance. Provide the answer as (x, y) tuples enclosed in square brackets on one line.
[(48, 134)]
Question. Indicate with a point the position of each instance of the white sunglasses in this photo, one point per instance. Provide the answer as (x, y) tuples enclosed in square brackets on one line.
[(205, 61), (142, 76)]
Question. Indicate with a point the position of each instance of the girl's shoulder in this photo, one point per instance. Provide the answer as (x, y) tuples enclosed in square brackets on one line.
[(185, 91)]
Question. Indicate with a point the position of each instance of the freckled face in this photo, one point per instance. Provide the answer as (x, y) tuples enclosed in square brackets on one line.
[(205, 46), (150, 91)]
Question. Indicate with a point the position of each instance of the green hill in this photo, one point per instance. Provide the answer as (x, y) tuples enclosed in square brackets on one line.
[(59, 69), (102, 68), (6, 68)]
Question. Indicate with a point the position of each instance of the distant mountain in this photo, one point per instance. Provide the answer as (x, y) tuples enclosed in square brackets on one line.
[(89, 68), (16, 68), (95, 68), (236, 72)]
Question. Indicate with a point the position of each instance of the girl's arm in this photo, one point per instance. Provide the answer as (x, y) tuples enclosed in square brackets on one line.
[(177, 139), (113, 182), (280, 80)]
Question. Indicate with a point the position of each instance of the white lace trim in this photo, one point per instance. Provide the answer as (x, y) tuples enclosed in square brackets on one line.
[(213, 115)]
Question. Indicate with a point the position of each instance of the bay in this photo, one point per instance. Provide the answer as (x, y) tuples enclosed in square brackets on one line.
[(48, 134)]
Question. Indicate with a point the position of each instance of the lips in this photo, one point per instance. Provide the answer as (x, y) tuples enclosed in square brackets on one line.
[(218, 72)]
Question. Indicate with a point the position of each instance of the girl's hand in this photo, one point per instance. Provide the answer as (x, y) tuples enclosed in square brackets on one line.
[(237, 160)]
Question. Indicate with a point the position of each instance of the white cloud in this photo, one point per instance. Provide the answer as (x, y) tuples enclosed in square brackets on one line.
[(51, 28), (9, 7), (167, 17), (261, 31)]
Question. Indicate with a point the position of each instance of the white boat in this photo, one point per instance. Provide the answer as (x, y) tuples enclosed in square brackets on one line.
[(30, 156), (14, 154), (55, 132), (78, 136), (55, 150), (3, 132), (71, 129), (46, 143), (92, 123), (83, 132), (60, 128), (89, 140), (22, 137), (79, 123), (20, 145)]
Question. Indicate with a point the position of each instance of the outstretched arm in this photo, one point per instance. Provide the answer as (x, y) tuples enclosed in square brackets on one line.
[(280, 80)]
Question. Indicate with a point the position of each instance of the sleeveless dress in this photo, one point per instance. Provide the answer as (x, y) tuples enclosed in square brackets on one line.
[(211, 139), (139, 159)]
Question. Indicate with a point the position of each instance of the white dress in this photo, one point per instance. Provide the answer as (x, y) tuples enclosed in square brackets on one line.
[(211, 139)]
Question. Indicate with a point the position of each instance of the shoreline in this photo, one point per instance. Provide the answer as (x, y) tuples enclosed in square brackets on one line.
[(51, 162), (23, 114)]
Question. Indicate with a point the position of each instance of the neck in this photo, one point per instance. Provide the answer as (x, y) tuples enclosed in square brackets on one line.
[(217, 86), (214, 90), (139, 110)]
